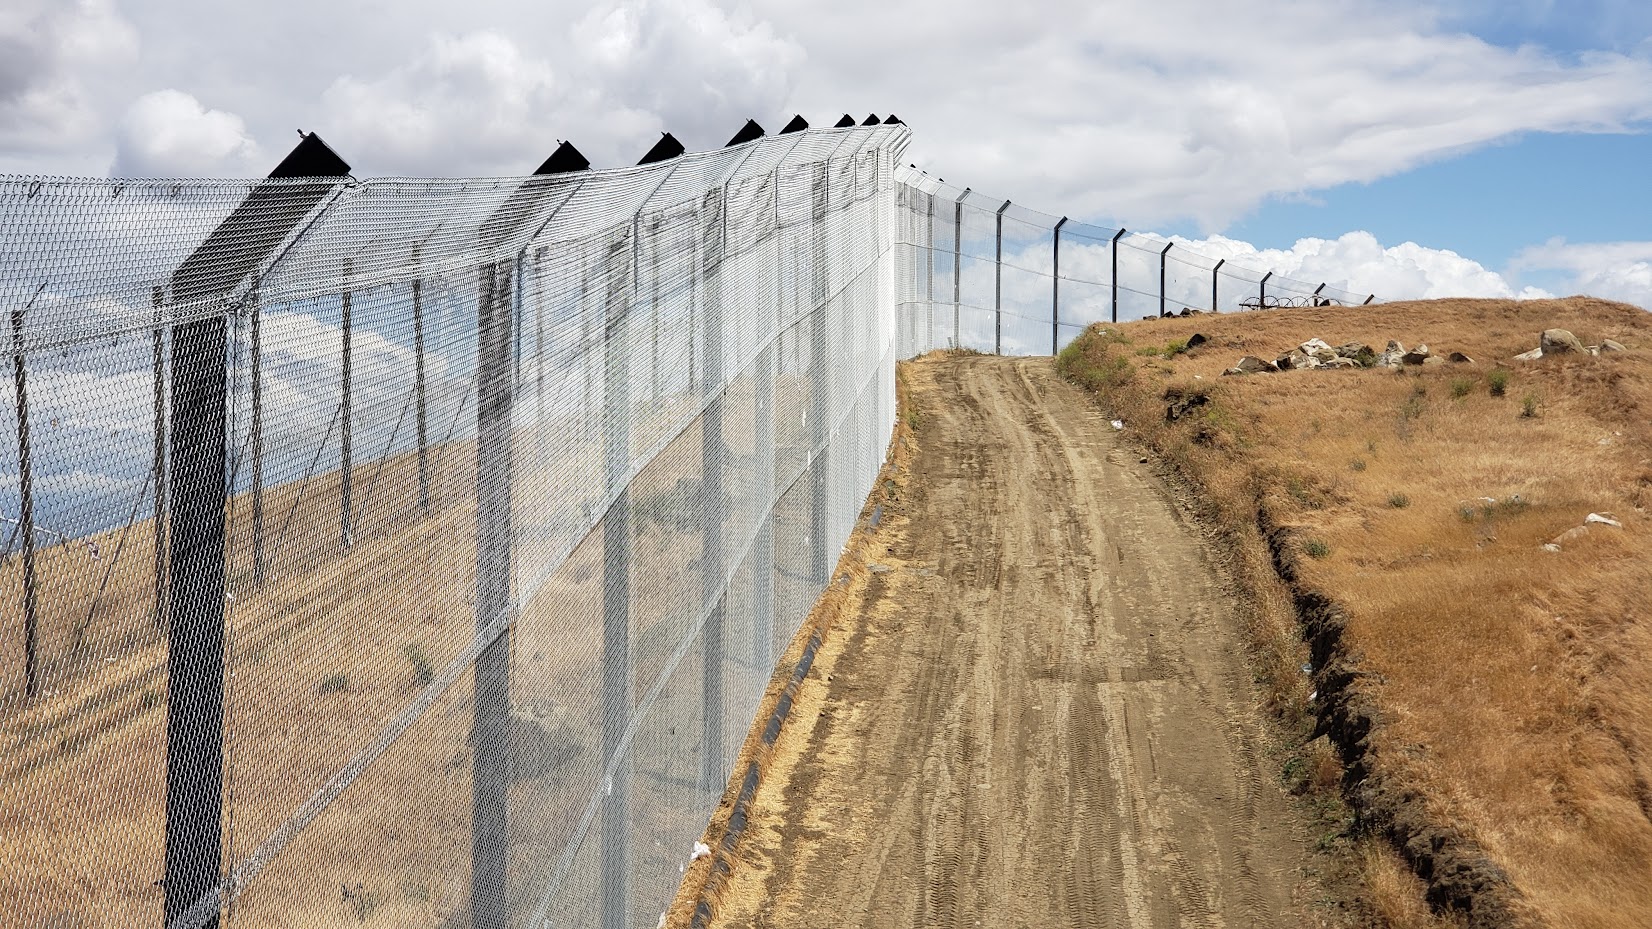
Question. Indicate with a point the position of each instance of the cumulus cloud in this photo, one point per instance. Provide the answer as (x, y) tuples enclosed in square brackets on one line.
[(169, 133), (54, 57), (481, 103), (1614, 270)]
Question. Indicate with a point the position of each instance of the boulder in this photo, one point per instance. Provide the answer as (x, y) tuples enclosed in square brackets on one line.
[(1186, 311), (1434, 360), (1196, 339), (1416, 356), (1340, 363), (1395, 346), (1250, 364), (1601, 519), (1559, 342), (1607, 345), (1458, 358), (1532, 355), (1312, 346)]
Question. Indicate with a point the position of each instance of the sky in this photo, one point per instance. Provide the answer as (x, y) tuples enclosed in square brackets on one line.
[(1410, 148)]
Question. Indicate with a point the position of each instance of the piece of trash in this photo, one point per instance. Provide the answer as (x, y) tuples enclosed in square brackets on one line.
[(1307, 667), (1118, 424), (701, 850), (1313, 696)]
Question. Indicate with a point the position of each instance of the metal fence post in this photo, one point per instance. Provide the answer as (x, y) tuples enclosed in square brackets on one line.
[(1115, 278), (1055, 289), (819, 408), (346, 530), (158, 298), (712, 451), (1167, 247), (929, 270), (419, 390), (1368, 300), (199, 450), (958, 266), (998, 284), (257, 444), (1262, 290), (616, 583), (31, 630), (1215, 305)]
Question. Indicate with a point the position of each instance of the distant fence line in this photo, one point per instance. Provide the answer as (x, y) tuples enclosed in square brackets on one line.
[(423, 547)]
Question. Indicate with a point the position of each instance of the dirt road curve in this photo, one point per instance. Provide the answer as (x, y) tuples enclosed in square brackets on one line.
[(1041, 717)]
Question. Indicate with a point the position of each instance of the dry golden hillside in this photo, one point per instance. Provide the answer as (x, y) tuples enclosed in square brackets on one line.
[(1491, 699)]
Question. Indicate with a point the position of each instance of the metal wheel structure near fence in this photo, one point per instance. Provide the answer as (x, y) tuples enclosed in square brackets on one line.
[(415, 552)]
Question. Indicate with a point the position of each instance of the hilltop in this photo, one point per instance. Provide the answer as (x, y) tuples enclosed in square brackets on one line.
[(1422, 599)]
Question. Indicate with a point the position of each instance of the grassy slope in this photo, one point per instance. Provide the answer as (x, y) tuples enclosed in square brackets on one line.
[(1512, 686)]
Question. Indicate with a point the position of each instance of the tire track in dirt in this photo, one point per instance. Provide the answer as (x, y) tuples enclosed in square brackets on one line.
[(1042, 716)]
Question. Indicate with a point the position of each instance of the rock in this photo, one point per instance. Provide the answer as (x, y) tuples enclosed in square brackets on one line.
[(1559, 342), (879, 568), (1434, 360), (1250, 364), (1601, 519), (1196, 339), (1312, 346), (1295, 359), (1387, 360), (1607, 345), (1550, 547), (1179, 403), (1416, 356), (1352, 349), (1570, 535), (1395, 346), (1340, 363), (1458, 358), (1186, 311), (1532, 355)]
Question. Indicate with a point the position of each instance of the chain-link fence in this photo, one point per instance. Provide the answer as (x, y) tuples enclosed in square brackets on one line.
[(993, 276), (415, 552)]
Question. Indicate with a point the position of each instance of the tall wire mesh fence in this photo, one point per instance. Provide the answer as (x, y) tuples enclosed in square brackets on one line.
[(416, 552), (990, 275), (412, 552)]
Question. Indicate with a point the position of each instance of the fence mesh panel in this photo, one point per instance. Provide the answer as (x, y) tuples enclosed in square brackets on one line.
[(417, 551)]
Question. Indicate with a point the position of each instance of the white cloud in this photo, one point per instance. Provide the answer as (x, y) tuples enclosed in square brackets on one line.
[(481, 103), (54, 59), (169, 133), (1614, 270)]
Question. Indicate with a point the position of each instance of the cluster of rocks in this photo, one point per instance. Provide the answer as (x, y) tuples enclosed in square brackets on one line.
[(1592, 521), (1317, 353), (1562, 342)]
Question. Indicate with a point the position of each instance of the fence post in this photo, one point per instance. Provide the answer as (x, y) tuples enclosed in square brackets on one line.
[(998, 284), (616, 583), (1262, 291), (199, 449), (257, 444), (31, 630), (929, 270), (1368, 300), (1162, 254), (1055, 289), (346, 531), (1115, 279), (712, 451), (819, 409), (958, 266), (419, 389), (1215, 306), (157, 296)]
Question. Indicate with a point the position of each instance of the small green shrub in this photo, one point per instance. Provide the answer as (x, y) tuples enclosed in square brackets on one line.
[(1460, 387), (1358, 464), (1497, 382), (1529, 406), (1316, 548), (1399, 501), (333, 683), (423, 671)]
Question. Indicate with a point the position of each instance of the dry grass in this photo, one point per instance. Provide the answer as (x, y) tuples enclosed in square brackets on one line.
[(1515, 685)]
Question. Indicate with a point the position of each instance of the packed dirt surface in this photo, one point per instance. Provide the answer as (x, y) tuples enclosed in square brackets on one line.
[(1042, 714)]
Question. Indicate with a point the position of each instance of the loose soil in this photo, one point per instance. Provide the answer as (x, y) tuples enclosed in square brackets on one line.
[(1040, 714)]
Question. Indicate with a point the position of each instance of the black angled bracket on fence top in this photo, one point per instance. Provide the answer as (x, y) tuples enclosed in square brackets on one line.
[(844, 122), (871, 120), (750, 132), (222, 264), (1115, 278), (893, 120), (565, 160), (1214, 306), (1167, 247), (797, 124), (665, 149), (1262, 290), (1055, 288)]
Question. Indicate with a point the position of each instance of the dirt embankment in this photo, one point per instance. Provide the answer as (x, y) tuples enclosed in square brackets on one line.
[(1036, 709), (1481, 667)]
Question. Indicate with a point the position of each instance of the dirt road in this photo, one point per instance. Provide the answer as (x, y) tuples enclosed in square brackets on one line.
[(1040, 717)]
